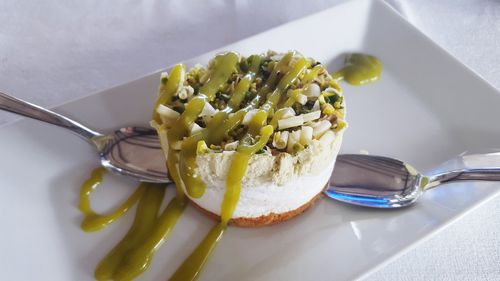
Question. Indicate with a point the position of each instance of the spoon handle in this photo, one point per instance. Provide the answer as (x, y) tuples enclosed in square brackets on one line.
[(485, 174), (27, 109)]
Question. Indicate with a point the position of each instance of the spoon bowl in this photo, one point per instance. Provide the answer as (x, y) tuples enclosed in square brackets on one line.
[(134, 152), (130, 151), (382, 182)]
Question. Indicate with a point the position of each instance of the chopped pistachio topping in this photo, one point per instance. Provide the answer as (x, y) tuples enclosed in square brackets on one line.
[(293, 94)]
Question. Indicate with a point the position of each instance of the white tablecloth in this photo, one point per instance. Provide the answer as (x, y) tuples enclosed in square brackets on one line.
[(55, 51)]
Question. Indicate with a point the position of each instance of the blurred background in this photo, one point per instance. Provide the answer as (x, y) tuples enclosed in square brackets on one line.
[(52, 52)]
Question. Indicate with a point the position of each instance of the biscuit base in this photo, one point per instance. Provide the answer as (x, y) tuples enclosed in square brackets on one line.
[(265, 220)]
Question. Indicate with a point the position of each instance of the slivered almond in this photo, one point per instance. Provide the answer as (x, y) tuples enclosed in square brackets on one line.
[(293, 138), (290, 122), (306, 135), (322, 127), (311, 116), (167, 115), (208, 110)]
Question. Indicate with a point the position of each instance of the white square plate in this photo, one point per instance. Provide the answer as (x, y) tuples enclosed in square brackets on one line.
[(426, 108)]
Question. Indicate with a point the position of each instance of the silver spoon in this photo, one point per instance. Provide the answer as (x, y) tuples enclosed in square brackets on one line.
[(382, 182), (131, 151)]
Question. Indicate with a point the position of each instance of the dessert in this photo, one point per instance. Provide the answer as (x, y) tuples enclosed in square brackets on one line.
[(250, 140)]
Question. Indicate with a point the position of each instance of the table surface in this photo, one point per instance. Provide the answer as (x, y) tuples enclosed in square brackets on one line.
[(52, 52)]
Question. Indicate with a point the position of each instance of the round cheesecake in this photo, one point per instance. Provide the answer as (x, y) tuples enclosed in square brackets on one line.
[(275, 187), (293, 97)]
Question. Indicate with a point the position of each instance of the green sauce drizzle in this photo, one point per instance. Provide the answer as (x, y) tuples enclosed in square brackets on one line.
[(133, 254), (360, 69), (93, 221)]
